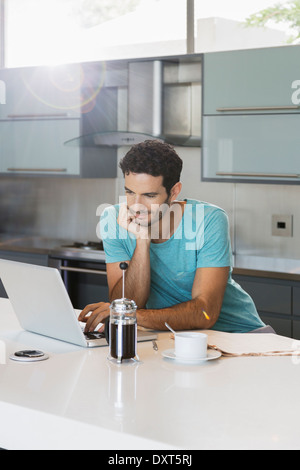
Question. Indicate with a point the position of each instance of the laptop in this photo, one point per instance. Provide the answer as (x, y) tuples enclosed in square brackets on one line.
[(42, 305)]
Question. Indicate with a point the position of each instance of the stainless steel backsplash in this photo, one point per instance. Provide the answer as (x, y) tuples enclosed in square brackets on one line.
[(56, 208)]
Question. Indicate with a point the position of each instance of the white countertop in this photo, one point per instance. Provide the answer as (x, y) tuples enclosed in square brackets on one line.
[(267, 266), (79, 400)]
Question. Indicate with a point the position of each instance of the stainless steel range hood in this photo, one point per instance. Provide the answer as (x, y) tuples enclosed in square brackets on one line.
[(155, 110), (109, 139), (123, 138), (158, 109), (145, 97)]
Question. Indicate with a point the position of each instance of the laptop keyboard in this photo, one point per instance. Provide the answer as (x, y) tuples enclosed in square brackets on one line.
[(94, 335)]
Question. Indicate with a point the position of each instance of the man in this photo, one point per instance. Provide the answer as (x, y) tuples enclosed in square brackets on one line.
[(178, 252)]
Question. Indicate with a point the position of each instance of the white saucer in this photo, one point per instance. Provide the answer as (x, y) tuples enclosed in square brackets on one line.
[(211, 355)]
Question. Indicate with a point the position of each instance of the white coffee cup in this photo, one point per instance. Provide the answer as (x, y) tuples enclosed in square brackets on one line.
[(191, 345)]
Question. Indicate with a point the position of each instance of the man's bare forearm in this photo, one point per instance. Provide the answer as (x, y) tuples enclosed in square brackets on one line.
[(137, 277), (185, 316)]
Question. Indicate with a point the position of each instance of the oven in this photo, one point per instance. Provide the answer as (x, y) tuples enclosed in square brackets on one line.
[(83, 270)]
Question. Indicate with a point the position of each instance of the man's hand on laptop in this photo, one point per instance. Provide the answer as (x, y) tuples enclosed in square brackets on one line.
[(94, 314)]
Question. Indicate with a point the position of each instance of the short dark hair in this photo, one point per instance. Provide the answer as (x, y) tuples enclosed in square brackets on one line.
[(154, 158)]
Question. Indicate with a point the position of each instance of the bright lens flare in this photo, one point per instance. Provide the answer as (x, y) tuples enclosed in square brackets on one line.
[(66, 83), (205, 314)]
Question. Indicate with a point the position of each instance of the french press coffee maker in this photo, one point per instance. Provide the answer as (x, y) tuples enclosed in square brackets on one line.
[(123, 327)]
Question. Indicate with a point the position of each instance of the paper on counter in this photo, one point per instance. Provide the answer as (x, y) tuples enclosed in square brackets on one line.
[(252, 344)]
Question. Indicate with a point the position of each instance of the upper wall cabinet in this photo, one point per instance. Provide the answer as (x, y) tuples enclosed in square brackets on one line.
[(70, 120), (251, 116), (41, 92), (255, 147), (41, 109), (252, 81), (37, 147)]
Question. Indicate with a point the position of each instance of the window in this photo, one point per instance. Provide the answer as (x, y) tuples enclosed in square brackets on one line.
[(220, 25), (49, 32)]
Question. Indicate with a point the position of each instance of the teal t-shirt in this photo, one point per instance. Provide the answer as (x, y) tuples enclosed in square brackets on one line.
[(201, 240)]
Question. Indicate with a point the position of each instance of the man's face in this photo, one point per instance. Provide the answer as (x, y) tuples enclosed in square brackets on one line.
[(145, 194)]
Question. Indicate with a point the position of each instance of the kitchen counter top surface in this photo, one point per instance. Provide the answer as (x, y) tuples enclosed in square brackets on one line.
[(77, 399), (263, 266), (31, 244), (251, 265)]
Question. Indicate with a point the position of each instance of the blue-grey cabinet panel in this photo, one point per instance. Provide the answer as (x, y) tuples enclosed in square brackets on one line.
[(42, 91), (269, 297), (2, 98), (296, 301), (256, 78), (3, 144), (37, 147), (277, 301), (253, 147), (296, 329), (282, 326)]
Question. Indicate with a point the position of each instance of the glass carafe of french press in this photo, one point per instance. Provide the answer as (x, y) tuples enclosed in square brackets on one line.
[(123, 327)]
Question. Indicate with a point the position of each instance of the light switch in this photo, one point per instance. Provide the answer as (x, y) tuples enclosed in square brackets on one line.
[(282, 225)]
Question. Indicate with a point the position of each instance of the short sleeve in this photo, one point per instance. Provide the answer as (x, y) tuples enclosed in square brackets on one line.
[(215, 249)]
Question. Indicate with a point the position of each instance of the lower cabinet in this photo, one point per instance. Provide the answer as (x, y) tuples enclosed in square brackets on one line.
[(277, 302)]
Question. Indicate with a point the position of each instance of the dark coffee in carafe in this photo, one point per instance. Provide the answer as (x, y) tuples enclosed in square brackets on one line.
[(123, 330), (123, 340)]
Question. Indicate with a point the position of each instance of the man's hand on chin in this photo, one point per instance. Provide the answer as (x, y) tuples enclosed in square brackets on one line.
[(132, 224)]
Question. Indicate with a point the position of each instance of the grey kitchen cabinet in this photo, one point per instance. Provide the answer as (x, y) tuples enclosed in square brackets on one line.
[(251, 81), (296, 312), (269, 297), (3, 143), (42, 92), (277, 302), (251, 116), (281, 326), (29, 258), (41, 112), (296, 301), (37, 147), (251, 147), (70, 120), (2, 98)]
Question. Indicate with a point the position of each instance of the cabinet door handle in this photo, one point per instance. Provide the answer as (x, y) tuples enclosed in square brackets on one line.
[(258, 108), (33, 170), (81, 270), (259, 175), (36, 116)]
